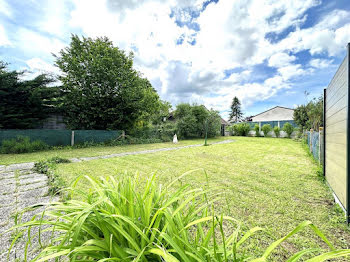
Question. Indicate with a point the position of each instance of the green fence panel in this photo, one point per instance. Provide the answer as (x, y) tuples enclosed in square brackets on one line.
[(49, 136), (96, 136)]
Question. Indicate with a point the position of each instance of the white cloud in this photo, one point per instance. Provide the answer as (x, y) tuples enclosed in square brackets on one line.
[(329, 36), (55, 15), (280, 59), (290, 71), (37, 44), (5, 9), (36, 66), (4, 41), (320, 63)]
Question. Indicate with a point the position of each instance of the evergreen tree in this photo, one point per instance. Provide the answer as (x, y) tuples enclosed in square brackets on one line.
[(236, 112), (24, 104)]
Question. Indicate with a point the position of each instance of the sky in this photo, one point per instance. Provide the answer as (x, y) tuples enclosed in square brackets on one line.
[(265, 52)]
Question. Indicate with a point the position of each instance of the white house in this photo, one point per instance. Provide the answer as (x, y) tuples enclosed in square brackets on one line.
[(277, 113), (276, 116)]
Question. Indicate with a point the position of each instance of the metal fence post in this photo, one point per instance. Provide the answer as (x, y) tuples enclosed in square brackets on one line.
[(311, 136), (320, 145), (72, 139)]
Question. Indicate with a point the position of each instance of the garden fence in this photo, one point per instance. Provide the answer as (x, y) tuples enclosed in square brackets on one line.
[(315, 143), (61, 137)]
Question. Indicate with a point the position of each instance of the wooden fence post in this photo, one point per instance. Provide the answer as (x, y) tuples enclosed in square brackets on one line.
[(123, 134), (72, 139)]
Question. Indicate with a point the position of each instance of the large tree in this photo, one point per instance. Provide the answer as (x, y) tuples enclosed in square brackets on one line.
[(101, 90), (236, 112), (25, 103)]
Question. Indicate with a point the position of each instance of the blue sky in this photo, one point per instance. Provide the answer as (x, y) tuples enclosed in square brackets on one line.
[(267, 53)]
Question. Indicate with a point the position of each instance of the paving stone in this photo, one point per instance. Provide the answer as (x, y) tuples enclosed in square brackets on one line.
[(6, 175), (7, 200), (8, 181), (33, 180), (32, 186), (6, 212), (32, 175), (21, 166), (34, 193), (7, 189)]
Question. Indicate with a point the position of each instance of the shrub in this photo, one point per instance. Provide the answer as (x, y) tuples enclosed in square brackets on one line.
[(230, 129), (22, 144), (266, 129), (124, 221), (288, 128), (276, 130), (47, 167), (241, 129), (257, 130)]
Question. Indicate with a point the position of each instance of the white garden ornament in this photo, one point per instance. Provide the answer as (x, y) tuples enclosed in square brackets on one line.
[(175, 139)]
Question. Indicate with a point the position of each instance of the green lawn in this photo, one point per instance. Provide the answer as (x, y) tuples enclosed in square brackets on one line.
[(68, 152), (267, 182)]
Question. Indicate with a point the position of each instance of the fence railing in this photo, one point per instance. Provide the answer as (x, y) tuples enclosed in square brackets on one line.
[(61, 137), (315, 142)]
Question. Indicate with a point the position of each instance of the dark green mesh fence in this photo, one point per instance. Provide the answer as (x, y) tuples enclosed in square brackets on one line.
[(95, 136), (61, 137), (49, 136)]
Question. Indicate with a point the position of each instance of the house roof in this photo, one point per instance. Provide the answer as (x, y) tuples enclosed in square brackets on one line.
[(274, 108), (224, 122)]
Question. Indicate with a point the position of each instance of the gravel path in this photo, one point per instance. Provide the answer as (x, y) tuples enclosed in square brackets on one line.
[(20, 187)]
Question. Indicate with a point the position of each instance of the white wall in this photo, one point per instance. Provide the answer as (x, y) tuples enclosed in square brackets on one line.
[(275, 114)]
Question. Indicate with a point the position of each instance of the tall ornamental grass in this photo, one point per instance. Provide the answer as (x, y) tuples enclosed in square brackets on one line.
[(126, 220)]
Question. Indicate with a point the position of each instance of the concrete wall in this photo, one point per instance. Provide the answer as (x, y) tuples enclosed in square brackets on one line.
[(274, 114)]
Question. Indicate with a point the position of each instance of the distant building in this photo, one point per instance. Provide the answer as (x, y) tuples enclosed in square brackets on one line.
[(224, 124), (277, 113)]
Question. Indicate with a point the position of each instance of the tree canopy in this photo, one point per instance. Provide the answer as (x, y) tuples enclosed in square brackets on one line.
[(191, 120), (101, 89), (236, 112), (25, 103), (310, 115)]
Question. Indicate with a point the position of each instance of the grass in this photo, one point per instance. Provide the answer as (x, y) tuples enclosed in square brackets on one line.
[(123, 220), (267, 182), (7, 159)]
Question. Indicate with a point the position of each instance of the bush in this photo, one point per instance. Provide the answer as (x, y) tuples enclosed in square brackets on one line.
[(22, 144), (125, 221), (277, 130), (257, 130), (47, 167), (266, 129), (241, 129), (230, 129), (288, 128)]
